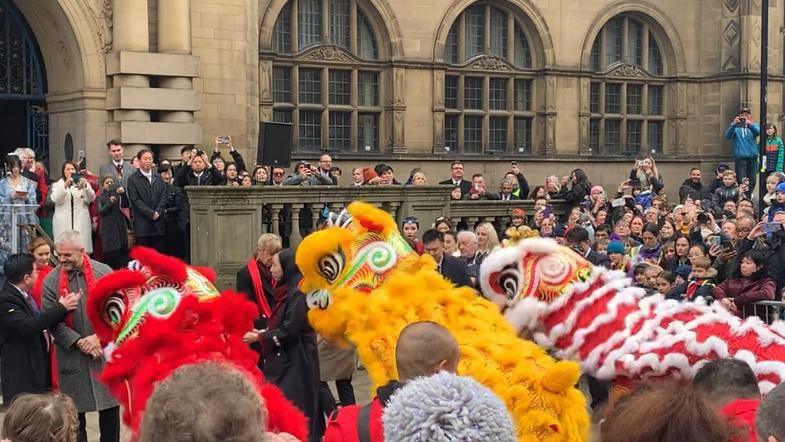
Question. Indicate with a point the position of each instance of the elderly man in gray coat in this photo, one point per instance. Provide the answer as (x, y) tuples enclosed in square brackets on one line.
[(79, 354)]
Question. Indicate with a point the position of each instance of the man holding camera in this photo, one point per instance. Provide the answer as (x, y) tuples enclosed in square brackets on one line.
[(307, 175), (743, 131)]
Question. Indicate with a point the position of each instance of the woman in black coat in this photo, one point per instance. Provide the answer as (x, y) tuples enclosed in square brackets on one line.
[(579, 190), (291, 359), (113, 228)]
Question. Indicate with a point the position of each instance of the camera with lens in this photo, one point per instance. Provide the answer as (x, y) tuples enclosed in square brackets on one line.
[(199, 152), (703, 218)]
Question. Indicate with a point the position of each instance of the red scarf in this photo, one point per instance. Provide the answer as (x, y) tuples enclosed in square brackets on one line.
[(39, 283), (62, 285), (256, 280), (280, 292)]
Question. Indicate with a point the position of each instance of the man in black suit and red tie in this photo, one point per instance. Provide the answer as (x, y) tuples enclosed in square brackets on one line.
[(24, 341), (456, 180), (451, 268)]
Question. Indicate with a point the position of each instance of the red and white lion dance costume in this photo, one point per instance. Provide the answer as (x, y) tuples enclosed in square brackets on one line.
[(595, 316), (161, 314)]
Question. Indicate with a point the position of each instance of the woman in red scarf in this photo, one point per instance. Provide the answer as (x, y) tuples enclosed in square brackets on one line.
[(42, 252)]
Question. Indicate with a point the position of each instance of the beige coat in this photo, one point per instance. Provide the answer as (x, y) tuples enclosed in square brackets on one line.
[(336, 363), (72, 211)]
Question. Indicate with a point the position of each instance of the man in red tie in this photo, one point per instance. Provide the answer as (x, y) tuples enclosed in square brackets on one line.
[(118, 168)]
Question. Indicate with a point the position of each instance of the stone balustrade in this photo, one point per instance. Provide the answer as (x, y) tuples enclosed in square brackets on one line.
[(226, 221)]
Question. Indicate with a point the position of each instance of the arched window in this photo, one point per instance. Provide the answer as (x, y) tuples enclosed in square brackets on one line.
[(326, 76), (627, 99), (488, 82)]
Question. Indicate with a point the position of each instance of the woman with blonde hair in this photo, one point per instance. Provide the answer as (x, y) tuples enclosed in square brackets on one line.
[(41, 418), (552, 186), (487, 238), (645, 170)]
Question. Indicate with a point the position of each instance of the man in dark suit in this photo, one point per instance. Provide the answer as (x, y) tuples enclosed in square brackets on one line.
[(504, 194), (451, 268), (577, 239), (456, 179), (146, 191), (118, 168), (24, 342)]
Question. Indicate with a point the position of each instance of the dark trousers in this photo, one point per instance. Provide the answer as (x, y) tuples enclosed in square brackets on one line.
[(345, 395), (747, 168), (108, 424), (116, 259), (153, 242)]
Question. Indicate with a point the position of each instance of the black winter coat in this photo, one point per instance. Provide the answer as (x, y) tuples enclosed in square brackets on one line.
[(113, 228), (24, 358)]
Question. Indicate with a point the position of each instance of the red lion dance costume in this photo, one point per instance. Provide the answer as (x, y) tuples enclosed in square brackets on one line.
[(596, 317), (162, 314)]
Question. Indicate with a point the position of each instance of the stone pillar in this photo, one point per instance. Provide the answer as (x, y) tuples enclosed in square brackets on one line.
[(174, 37), (129, 33)]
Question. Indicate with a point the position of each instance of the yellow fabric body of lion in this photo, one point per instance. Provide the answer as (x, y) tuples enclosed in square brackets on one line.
[(539, 392)]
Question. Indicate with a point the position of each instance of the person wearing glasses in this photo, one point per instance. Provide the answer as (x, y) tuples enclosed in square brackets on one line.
[(456, 178)]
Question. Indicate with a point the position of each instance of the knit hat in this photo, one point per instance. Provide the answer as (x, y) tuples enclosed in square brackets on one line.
[(517, 213), (446, 407), (722, 168), (615, 247), (683, 271), (780, 188), (597, 189)]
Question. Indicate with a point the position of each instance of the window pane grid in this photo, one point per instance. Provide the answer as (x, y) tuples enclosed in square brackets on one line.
[(594, 98), (498, 32), (635, 42), (472, 92), (451, 92), (340, 130), (654, 135), (523, 135), (497, 94), (523, 57), (472, 134), (613, 98), (614, 35), (340, 86), (612, 140), (474, 30), (282, 85), (655, 59), (451, 132), (368, 88), (594, 135), (634, 99), (310, 86), (633, 145), (655, 100), (282, 34), (282, 116), (366, 43), (310, 130), (309, 22), (497, 134), (523, 95), (339, 23), (451, 46), (368, 132)]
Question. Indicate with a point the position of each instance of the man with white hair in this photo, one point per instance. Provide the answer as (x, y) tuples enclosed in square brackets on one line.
[(468, 245), (79, 354), (27, 158)]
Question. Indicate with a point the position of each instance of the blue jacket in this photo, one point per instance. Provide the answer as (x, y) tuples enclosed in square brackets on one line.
[(744, 144)]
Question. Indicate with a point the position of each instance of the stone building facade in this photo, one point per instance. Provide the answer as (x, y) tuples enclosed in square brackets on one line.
[(547, 83)]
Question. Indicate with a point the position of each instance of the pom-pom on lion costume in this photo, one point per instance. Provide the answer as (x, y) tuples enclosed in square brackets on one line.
[(596, 316), (365, 284), (161, 314)]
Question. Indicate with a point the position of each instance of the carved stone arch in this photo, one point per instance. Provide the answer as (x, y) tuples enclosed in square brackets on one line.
[(535, 28), (385, 25), (660, 25), (70, 37)]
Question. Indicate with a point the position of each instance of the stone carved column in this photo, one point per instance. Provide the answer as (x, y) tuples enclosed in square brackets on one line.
[(438, 112), (584, 115), (547, 117), (129, 33), (397, 109)]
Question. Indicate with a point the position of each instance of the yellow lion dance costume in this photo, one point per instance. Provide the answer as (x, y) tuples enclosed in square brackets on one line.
[(365, 284)]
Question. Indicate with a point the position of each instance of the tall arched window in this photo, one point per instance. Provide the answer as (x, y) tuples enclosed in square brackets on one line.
[(627, 99), (326, 76), (488, 82)]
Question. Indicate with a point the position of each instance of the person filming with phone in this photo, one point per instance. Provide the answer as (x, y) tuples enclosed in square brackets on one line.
[(743, 131), (645, 171), (72, 195), (15, 190)]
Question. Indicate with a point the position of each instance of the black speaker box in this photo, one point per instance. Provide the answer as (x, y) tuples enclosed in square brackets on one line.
[(275, 144)]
